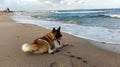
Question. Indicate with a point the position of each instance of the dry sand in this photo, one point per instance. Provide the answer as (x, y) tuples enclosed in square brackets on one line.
[(79, 52)]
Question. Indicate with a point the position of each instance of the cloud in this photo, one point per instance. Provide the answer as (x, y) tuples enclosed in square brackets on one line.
[(22, 4), (101, 4), (59, 4), (63, 4), (71, 3)]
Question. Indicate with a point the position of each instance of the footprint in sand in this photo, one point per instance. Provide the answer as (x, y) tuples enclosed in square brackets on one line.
[(80, 58), (55, 64), (84, 61), (18, 36), (77, 57), (72, 56), (68, 52)]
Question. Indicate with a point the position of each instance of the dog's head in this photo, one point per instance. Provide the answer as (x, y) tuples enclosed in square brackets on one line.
[(57, 33)]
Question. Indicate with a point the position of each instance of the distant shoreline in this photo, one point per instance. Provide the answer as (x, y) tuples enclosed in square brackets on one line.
[(63, 10)]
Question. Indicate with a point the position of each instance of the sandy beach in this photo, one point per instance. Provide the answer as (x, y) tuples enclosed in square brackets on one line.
[(79, 52)]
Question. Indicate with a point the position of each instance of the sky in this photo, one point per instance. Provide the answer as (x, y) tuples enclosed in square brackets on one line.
[(58, 4)]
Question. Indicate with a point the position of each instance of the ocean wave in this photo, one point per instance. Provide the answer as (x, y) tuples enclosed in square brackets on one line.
[(102, 15), (80, 12), (112, 15)]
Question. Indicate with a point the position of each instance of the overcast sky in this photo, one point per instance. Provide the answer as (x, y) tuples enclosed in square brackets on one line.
[(58, 4)]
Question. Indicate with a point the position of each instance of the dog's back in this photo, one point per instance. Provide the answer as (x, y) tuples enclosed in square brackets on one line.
[(42, 45)]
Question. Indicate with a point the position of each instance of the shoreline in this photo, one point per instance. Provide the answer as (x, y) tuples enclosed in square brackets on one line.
[(80, 52)]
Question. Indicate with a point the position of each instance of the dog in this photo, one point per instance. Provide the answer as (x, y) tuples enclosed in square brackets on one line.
[(48, 43)]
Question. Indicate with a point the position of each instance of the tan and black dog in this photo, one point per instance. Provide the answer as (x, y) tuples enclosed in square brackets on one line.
[(48, 43)]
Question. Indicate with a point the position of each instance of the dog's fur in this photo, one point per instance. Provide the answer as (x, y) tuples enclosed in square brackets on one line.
[(48, 43)]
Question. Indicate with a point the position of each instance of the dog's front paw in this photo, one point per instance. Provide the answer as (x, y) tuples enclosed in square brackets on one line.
[(51, 51)]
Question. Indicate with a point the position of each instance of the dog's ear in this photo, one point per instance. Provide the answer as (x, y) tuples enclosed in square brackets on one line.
[(59, 28), (53, 30)]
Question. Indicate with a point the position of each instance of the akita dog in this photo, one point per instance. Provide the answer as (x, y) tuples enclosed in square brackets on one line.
[(48, 43)]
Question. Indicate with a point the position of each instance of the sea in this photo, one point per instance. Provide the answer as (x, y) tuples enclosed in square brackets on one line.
[(102, 25)]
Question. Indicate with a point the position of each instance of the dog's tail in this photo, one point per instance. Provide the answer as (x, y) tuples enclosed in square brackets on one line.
[(28, 48)]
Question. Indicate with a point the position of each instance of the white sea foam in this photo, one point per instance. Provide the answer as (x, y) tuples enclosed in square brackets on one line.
[(94, 33), (80, 12), (113, 15)]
